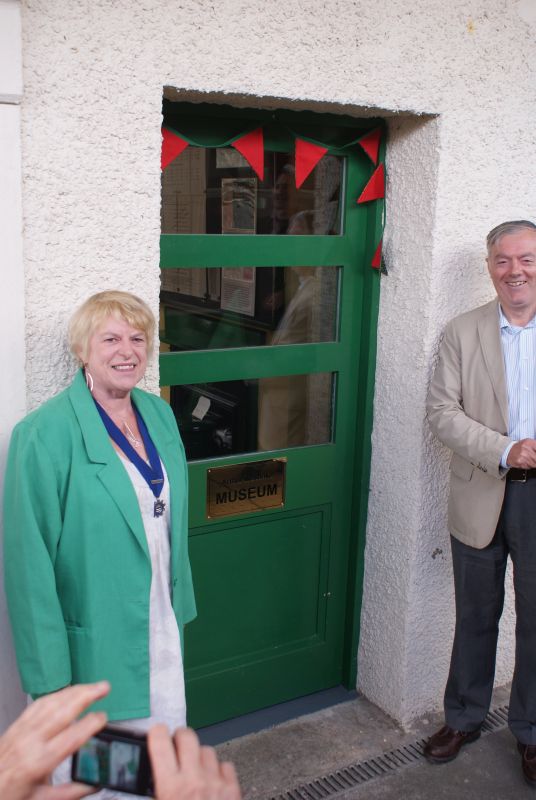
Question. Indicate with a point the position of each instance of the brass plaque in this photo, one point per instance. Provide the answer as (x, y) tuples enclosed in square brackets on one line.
[(241, 488)]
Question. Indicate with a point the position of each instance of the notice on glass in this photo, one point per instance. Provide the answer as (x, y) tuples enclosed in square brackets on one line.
[(169, 280), (238, 205), (192, 282), (214, 284), (229, 158), (238, 290), (184, 193)]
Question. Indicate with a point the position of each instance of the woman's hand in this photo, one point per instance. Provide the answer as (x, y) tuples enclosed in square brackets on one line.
[(42, 737), (184, 770)]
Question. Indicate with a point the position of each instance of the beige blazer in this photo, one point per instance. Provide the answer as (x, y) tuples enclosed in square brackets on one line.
[(468, 411)]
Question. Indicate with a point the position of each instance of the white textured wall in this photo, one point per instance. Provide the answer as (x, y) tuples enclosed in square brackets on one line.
[(94, 71), (12, 380)]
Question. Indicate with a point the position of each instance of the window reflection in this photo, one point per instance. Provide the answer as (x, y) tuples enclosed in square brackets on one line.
[(214, 190), (244, 416), (203, 309), (294, 411)]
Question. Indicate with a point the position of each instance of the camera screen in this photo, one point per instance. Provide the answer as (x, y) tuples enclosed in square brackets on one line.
[(112, 763)]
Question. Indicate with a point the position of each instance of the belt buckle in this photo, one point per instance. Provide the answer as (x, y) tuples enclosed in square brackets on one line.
[(520, 480)]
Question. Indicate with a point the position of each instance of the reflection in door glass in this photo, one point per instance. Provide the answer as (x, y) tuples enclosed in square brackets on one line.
[(203, 309), (214, 190), (246, 416)]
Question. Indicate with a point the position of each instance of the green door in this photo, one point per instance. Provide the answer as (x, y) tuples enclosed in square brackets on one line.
[(268, 318)]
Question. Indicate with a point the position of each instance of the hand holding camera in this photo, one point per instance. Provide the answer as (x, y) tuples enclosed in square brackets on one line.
[(45, 734), (48, 731), (185, 770)]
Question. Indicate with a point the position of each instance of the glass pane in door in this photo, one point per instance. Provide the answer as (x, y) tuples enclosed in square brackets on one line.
[(214, 190), (204, 309), (244, 416)]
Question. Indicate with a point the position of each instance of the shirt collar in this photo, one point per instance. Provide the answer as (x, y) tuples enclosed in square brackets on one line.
[(503, 322)]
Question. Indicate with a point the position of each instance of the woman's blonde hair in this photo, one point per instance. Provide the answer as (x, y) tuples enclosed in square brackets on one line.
[(92, 313)]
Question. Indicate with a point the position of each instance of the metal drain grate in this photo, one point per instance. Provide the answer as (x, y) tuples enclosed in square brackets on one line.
[(341, 780), (496, 719)]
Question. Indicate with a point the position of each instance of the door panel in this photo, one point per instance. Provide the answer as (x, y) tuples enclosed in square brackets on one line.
[(276, 565), (265, 603)]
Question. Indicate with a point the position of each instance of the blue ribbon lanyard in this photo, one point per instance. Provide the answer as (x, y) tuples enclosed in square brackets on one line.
[(152, 472)]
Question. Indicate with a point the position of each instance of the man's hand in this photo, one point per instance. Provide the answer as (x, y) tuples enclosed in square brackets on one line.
[(523, 454), (42, 737), (184, 770)]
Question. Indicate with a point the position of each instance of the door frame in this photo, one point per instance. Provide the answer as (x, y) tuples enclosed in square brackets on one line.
[(362, 445)]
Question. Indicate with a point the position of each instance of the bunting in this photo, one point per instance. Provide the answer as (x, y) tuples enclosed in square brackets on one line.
[(370, 143), (172, 146), (307, 153), (377, 257), (307, 157), (251, 146), (375, 188)]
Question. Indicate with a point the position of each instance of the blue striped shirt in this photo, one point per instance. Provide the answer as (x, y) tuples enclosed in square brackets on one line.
[(519, 352)]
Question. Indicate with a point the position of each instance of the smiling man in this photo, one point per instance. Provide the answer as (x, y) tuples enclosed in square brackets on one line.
[(482, 405)]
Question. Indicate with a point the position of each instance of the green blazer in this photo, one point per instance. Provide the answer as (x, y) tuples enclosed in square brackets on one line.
[(77, 566)]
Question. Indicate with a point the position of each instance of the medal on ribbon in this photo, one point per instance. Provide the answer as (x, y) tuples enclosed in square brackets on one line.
[(152, 471)]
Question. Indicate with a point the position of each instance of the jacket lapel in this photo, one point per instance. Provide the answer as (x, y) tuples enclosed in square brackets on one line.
[(100, 451), (490, 340)]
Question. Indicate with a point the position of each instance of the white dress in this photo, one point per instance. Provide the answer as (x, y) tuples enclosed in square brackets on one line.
[(168, 704)]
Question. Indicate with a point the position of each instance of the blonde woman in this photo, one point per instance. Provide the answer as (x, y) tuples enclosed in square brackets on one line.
[(95, 526)]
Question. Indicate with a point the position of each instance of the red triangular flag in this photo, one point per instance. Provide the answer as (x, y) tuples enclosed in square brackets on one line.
[(377, 258), (375, 188), (251, 146), (172, 146), (370, 143), (307, 157)]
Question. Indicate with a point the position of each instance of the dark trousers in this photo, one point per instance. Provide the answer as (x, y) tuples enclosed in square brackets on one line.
[(479, 590)]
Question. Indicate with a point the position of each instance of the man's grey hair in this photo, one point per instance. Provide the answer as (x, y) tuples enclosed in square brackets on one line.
[(508, 227)]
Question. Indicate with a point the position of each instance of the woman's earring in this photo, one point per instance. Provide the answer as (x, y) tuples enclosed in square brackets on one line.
[(89, 379)]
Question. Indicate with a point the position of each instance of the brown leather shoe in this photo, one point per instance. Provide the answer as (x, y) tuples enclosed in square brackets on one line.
[(446, 743), (528, 762)]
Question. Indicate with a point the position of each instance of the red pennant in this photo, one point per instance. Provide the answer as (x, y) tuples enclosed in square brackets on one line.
[(377, 258), (375, 188), (370, 143), (172, 146), (251, 146), (307, 157)]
